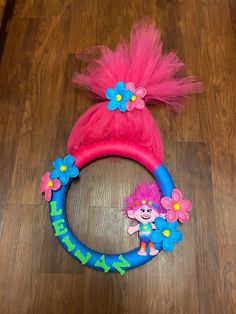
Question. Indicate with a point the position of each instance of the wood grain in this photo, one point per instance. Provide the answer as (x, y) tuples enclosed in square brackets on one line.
[(2, 8), (38, 107)]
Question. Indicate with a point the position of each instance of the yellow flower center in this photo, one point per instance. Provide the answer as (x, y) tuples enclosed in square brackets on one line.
[(118, 97), (63, 168), (50, 184), (133, 98), (176, 206), (166, 233)]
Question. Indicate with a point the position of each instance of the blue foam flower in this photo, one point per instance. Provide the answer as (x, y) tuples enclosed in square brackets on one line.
[(118, 97), (64, 169), (166, 233)]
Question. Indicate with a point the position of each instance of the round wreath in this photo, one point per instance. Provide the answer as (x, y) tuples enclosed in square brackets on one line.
[(127, 79)]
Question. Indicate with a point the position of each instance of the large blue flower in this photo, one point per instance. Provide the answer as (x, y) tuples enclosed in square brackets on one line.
[(118, 97), (64, 169), (166, 234)]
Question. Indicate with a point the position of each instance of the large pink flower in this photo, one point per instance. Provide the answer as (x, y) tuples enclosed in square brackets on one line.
[(47, 186), (136, 100), (177, 207)]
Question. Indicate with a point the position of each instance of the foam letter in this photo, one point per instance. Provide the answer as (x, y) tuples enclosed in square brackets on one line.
[(81, 257), (118, 265), (59, 227), (102, 263), (69, 244), (54, 211)]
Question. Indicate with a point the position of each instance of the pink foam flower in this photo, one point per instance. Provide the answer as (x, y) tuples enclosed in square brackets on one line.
[(136, 99), (47, 186), (177, 207)]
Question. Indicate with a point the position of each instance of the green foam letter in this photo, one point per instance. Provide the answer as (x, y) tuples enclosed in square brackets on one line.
[(102, 263), (81, 257), (54, 211), (123, 263), (59, 227), (69, 244)]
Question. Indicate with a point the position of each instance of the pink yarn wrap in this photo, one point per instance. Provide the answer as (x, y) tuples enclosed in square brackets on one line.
[(143, 63)]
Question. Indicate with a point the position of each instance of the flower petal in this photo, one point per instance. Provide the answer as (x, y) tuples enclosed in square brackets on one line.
[(56, 185), (186, 205), (156, 236), (168, 245), (120, 87), (69, 160), (140, 92), (127, 95), (183, 216), (130, 86), (130, 105), (111, 93), (171, 215), (160, 223), (72, 171), (48, 195), (123, 93), (57, 163), (122, 106), (172, 225), (167, 202), (43, 187), (139, 103), (176, 236), (64, 178), (55, 174), (176, 195), (46, 177), (113, 105)]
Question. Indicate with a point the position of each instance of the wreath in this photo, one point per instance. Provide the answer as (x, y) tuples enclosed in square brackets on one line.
[(126, 80)]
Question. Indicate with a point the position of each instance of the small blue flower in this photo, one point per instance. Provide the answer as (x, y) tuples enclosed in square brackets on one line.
[(167, 234), (118, 97), (64, 169)]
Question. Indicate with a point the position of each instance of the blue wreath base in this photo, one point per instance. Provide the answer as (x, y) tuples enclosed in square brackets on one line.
[(88, 257)]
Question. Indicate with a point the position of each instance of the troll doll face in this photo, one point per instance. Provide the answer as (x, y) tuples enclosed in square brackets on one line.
[(143, 214)]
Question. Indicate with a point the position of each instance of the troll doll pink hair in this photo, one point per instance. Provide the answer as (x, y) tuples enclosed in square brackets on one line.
[(142, 62), (144, 191)]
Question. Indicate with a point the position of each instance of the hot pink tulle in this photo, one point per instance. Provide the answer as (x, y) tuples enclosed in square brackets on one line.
[(143, 63), (98, 123)]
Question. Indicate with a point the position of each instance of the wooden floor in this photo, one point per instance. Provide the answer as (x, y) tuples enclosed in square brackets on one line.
[(38, 107)]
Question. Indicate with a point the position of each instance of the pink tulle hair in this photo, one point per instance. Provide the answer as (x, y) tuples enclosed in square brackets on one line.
[(143, 63), (149, 192)]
